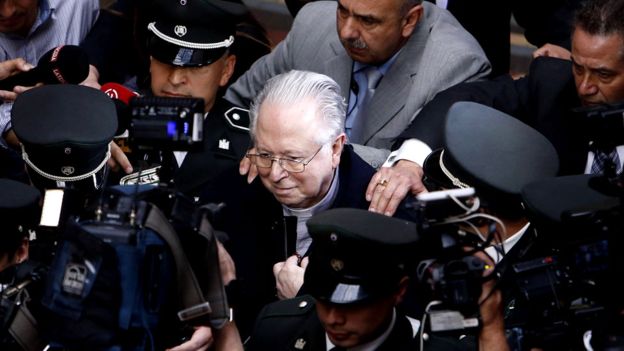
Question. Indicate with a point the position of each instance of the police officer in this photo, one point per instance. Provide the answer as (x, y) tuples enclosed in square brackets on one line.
[(356, 276), (19, 290), (190, 56)]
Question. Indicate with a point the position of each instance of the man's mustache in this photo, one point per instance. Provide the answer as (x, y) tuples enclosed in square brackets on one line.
[(355, 43)]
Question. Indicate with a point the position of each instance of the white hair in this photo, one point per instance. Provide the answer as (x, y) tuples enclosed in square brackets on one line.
[(295, 86)]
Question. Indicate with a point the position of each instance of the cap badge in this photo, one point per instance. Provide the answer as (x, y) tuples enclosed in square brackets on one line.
[(336, 264), (67, 150), (224, 144), (180, 30), (333, 237), (300, 344), (182, 2), (67, 170)]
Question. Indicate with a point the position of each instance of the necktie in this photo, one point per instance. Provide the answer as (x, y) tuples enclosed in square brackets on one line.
[(355, 122), (603, 159)]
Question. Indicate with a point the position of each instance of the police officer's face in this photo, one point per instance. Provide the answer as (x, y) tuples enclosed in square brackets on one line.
[(353, 325), (17, 16), (598, 67), (295, 131), (201, 82), (373, 30)]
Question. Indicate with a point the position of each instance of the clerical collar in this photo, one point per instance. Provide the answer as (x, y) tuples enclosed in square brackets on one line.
[(303, 214), (369, 346)]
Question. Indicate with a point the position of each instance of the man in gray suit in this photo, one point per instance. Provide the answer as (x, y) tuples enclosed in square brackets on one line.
[(416, 49)]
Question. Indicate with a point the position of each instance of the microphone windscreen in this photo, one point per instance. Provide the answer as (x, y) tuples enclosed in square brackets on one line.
[(121, 97), (67, 64), (118, 92)]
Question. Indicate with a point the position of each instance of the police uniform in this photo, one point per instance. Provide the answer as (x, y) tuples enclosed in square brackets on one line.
[(357, 257), (194, 34), (226, 140)]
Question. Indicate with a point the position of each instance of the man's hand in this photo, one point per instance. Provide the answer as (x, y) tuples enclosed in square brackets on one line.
[(226, 264), (492, 333), (551, 50), (93, 78), (118, 159), (390, 185), (289, 276), (201, 340), (9, 68), (248, 168)]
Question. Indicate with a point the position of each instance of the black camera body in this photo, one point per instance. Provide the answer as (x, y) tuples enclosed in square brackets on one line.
[(165, 123)]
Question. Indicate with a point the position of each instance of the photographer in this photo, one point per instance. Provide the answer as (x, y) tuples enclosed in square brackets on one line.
[(20, 283)]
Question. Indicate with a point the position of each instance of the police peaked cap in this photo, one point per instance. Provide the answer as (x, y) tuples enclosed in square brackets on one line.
[(193, 33), (357, 255), (65, 130), (19, 207), (553, 198), (491, 151)]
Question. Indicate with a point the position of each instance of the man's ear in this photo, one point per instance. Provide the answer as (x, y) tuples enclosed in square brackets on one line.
[(337, 148), (228, 70), (411, 19), (21, 254), (401, 290)]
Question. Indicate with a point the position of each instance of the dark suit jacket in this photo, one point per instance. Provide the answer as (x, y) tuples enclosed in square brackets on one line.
[(543, 99)]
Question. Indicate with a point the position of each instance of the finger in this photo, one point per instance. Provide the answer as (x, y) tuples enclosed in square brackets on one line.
[(253, 172), (243, 166), (392, 205), (373, 184), (277, 268), (120, 158), (292, 261), (202, 339), (7, 95), (304, 262), (390, 191)]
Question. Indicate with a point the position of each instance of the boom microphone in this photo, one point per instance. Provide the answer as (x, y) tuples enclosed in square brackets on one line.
[(67, 64)]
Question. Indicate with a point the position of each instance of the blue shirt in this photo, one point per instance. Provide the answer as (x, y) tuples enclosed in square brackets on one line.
[(58, 22)]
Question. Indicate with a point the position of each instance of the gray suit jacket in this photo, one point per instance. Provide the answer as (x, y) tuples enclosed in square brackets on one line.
[(438, 55)]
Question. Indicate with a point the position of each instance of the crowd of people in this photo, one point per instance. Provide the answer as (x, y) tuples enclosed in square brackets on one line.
[(326, 189)]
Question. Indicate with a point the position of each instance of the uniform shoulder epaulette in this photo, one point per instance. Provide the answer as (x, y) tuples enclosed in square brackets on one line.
[(237, 118), (290, 307)]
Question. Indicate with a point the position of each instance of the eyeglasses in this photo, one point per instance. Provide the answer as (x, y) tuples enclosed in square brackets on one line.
[(288, 164)]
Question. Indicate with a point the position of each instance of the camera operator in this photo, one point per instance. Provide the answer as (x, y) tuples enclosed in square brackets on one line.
[(498, 162), (20, 283)]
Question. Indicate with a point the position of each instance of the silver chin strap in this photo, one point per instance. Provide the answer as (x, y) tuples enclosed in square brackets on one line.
[(65, 179)]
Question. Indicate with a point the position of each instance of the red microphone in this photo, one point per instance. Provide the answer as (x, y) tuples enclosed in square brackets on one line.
[(119, 92), (121, 97)]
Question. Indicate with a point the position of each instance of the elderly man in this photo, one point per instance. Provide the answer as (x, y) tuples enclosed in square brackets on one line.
[(389, 57), (304, 163)]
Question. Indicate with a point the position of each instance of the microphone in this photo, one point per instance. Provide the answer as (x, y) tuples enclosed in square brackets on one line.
[(119, 92), (67, 64), (121, 97)]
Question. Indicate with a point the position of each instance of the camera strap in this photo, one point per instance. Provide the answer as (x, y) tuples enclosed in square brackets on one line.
[(193, 303), (23, 328)]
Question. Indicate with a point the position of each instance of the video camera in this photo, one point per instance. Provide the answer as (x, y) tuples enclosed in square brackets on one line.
[(448, 269)]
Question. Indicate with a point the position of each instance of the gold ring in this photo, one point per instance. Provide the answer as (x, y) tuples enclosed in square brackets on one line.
[(383, 182)]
